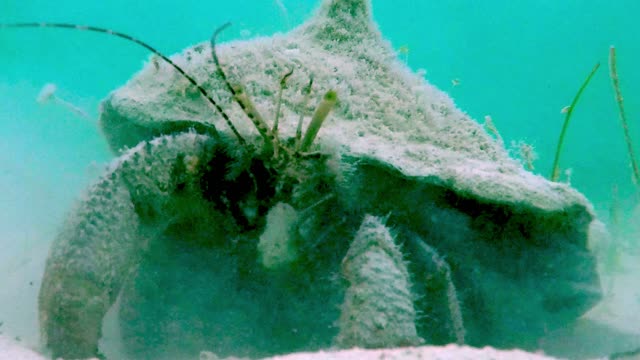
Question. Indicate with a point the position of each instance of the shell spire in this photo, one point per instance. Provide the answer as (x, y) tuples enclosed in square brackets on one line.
[(356, 9), (343, 21)]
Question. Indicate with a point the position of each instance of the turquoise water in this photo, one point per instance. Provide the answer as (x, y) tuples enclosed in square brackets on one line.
[(519, 62)]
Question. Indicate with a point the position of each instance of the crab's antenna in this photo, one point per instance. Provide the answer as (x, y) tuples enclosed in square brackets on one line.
[(240, 97), (325, 106), (202, 91), (283, 85), (274, 129), (307, 94)]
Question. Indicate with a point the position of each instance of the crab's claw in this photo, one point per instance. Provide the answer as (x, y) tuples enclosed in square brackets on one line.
[(103, 240)]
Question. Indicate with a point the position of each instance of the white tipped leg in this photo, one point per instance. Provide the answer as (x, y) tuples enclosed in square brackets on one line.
[(277, 246), (442, 268), (378, 307)]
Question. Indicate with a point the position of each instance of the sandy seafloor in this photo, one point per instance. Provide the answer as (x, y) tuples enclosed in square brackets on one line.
[(519, 62)]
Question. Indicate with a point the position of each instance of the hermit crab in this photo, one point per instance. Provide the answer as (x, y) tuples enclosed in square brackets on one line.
[(394, 220)]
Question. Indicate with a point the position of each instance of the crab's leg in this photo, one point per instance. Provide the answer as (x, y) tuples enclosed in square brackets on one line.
[(378, 307), (437, 265), (104, 238), (88, 262)]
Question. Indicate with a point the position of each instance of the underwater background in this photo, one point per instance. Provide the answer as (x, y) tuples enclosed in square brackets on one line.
[(519, 62)]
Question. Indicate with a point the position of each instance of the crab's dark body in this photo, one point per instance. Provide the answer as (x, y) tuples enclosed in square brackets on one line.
[(200, 284)]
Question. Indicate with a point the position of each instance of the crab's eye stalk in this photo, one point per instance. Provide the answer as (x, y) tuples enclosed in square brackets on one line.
[(322, 111)]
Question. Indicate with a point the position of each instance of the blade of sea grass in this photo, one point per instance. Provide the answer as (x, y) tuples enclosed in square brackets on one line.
[(555, 172), (613, 72)]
